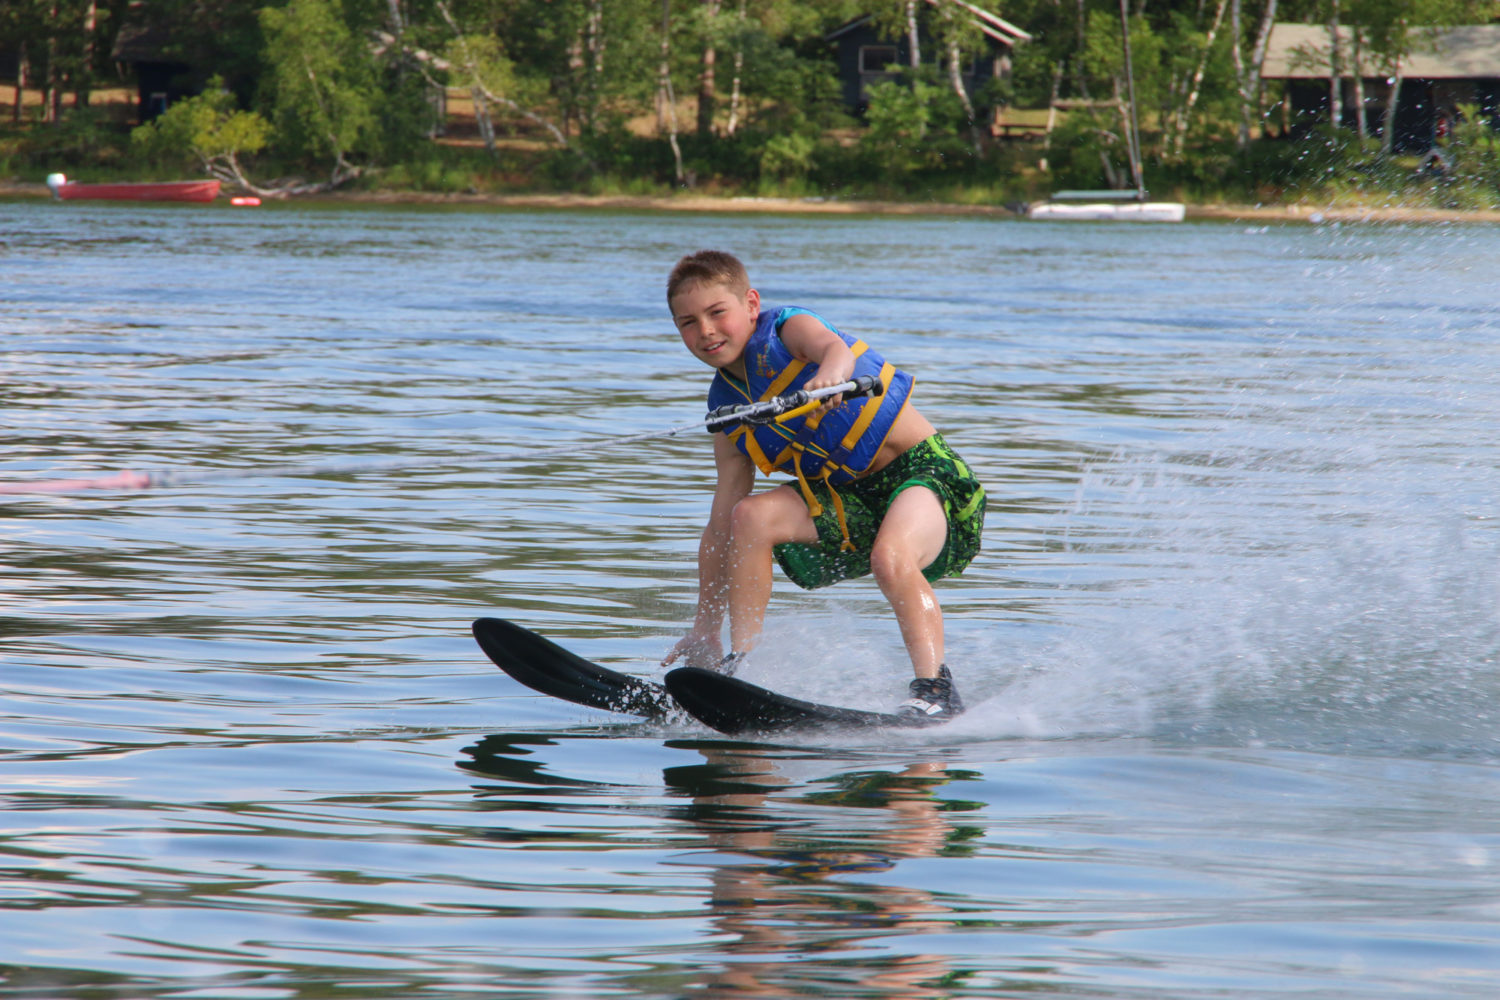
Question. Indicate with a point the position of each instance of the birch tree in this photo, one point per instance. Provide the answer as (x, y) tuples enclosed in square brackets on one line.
[(1177, 139), (961, 39), (666, 95), (323, 86), (1247, 71)]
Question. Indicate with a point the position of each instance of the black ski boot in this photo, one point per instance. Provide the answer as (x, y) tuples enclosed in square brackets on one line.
[(933, 699)]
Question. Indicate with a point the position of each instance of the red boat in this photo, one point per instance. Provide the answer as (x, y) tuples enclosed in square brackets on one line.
[(67, 190)]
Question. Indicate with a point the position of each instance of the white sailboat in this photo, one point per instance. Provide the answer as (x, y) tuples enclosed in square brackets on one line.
[(1114, 206)]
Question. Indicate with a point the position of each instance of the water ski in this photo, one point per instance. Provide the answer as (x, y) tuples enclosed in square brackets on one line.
[(733, 706), (544, 666)]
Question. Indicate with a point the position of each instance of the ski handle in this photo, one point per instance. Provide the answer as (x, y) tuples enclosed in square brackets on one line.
[(793, 404)]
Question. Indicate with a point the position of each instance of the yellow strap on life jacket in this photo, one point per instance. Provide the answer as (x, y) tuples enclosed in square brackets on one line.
[(814, 508), (795, 450), (867, 413), (752, 448), (783, 380)]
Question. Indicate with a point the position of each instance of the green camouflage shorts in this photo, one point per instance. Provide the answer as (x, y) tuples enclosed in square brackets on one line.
[(931, 464)]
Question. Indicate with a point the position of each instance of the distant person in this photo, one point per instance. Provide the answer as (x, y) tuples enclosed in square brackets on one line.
[(1438, 160), (876, 490)]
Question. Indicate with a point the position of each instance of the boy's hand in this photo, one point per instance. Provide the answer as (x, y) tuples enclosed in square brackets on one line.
[(822, 381), (809, 340), (699, 650)]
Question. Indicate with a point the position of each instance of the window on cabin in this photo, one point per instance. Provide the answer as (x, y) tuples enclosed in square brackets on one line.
[(877, 59)]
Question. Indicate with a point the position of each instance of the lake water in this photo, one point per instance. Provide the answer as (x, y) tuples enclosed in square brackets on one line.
[(1230, 650)]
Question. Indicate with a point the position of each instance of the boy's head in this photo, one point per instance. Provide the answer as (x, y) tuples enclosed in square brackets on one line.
[(713, 307), (708, 267)]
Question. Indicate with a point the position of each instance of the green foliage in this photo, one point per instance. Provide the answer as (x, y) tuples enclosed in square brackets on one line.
[(1475, 150), (787, 157), (913, 127), (1088, 151), (430, 173), (207, 127), (321, 82), (352, 81), (479, 60), (81, 136)]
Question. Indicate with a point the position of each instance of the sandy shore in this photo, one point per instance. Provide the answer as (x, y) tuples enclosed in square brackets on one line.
[(1306, 213)]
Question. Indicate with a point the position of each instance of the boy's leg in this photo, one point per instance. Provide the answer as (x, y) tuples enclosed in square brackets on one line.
[(759, 523), (911, 535)]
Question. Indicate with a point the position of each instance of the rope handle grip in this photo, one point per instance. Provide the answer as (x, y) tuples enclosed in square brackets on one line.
[(788, 406)]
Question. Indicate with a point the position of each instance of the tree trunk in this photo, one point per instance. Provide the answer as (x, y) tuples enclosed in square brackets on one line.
[(52, 82), (956, 79), (1185, 112), (83, 82), (1250, 100), (1057, 79), (483, 120), (1335, 70), (913, 43), (1133, 121), (1392, 102), (23, 67), (1241, 88), (1359, 85), (739, 67), (667, 101), (706, 92), (596, 48)]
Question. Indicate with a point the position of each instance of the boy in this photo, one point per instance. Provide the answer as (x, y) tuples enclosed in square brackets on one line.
[(877, 491)]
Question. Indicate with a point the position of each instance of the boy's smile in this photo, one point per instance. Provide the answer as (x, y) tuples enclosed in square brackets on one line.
[(715, 323)]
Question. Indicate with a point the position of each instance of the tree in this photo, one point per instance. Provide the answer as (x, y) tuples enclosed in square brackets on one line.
[(666, 97), (478, 62), (1247, 71), (959, 38), (214, 131), (322, 86)]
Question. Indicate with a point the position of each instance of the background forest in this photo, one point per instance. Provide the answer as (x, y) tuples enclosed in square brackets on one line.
[(718, 96)]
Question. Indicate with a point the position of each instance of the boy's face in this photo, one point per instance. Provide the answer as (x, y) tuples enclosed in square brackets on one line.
[(715, 323)]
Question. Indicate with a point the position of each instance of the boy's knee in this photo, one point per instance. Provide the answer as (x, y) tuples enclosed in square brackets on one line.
[(748, 519), (770, 519), (889, 563)]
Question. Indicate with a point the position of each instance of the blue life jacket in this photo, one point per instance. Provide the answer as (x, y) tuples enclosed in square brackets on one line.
[(837, 446)]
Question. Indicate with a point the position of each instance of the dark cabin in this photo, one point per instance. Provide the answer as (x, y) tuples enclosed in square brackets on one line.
[(866, 57), (1447, 67), (161, 81)]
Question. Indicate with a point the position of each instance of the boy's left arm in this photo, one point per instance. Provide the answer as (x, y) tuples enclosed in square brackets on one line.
[(810, 341)]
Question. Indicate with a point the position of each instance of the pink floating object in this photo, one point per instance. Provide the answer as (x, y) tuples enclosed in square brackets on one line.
[(125, 480)]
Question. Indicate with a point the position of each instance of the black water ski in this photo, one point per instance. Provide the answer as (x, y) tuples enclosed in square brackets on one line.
[(733, 706), (544, 666)]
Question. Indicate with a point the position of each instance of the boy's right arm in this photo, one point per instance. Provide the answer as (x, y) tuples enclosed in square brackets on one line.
[(735, 478)]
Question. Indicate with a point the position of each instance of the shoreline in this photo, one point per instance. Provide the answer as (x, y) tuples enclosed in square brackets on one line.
[(1299, 212)]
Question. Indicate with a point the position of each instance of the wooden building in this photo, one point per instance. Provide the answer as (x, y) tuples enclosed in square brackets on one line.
[(161, 80), (866, 56), (1446, 68)]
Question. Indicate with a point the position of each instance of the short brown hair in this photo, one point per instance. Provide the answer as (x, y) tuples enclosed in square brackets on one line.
[(709, 267)]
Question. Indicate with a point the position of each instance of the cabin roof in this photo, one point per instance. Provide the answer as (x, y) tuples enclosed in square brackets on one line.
[(990, 24), (1462, 52)]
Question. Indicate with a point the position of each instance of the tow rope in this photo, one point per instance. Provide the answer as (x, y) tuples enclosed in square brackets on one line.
[(778, 409)]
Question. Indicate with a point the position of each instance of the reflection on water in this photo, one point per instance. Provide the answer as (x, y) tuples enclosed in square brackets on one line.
[(1229, 650), (780, 890)]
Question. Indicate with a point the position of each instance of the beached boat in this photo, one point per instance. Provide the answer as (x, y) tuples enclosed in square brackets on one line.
[(1114, 206), (1105, 206), (67, 190)]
